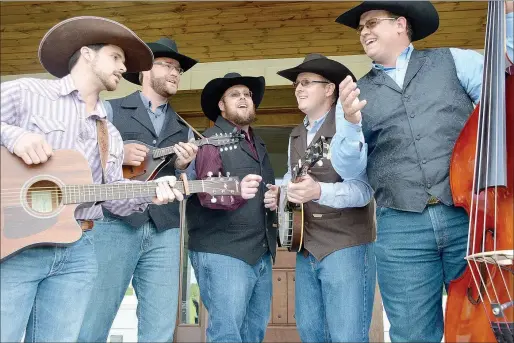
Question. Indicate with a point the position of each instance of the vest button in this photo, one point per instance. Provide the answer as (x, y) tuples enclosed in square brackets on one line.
[(412, 115), (429, 185), (418, 137), (154, 141), (424, 161)]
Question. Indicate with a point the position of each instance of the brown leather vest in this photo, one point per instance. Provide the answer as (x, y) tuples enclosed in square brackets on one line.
[(330, 229)]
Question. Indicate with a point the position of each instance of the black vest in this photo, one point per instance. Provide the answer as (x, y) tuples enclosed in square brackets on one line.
[(411, 131), (247, 232), (131, 118)]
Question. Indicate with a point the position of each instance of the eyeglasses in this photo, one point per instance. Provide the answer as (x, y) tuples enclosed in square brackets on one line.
[(238, 95), (170, 67), (307, 83), (371, 24)]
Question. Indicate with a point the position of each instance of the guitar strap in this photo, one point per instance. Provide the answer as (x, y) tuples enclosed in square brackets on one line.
[(103, 144)]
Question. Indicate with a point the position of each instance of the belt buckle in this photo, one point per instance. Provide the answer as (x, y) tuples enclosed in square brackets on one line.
[(86, 225), (432, 200)]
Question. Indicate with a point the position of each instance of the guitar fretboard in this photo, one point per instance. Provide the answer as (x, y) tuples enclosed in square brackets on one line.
[(75, 194), (161, 152)]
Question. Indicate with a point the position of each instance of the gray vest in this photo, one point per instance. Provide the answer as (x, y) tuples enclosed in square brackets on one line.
[(328, 229), (411, 131), (245, 233), (131, 118)]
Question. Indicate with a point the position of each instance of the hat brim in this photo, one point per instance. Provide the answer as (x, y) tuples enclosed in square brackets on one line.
[(65, 38), (333, 71), (422, 15), (160, 50), (214, 89)]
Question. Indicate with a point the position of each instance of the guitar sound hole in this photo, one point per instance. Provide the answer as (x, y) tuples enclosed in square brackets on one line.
[(43, 197)]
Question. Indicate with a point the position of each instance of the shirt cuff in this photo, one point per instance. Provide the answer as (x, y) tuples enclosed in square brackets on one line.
[(327, 194)]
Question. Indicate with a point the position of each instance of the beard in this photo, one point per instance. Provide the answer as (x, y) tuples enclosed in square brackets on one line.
[(245, 118), (161, 87), (104, 77)]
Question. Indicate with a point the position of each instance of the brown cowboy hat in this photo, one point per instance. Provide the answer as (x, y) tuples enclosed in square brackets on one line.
[(214, 89), (68, 36), (164, 47), (331, 70), (422, 15)]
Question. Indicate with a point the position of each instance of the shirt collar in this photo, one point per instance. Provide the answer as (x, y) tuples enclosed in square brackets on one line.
[(148, 103), (67, 86), (316, 124), (401, 62)]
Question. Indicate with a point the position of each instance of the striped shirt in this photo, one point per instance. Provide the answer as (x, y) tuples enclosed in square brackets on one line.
[(55, 109)]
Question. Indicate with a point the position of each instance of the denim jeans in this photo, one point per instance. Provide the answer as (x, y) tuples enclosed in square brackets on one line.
[(418, 253), (151, 259), (334, 296), (236, 295), (44, 292)]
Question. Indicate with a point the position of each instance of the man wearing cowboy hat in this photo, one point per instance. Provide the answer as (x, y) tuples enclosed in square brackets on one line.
[(45, 290), (416, 103), (335, 271), (232, 239), (147, 249)]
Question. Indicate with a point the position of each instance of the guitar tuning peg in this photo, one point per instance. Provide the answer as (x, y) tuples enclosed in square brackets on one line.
[(214, 200), (235, 147), (228, 174), (230, 147), (219, 174), (209, 174), (320, 163)]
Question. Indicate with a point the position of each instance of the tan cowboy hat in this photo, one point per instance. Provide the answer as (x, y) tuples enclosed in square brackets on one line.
[(68, 36)]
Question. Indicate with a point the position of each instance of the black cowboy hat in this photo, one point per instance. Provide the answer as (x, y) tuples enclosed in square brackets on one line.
[(422, 15), (214, 89), (68, 36), (164, 47), (332, 70)]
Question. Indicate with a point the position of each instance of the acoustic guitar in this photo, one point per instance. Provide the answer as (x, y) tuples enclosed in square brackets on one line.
[(158, 158), (290, 215), (39, 201)]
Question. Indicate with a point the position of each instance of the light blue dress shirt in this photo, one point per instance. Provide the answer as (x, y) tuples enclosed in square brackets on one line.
[(354, 192), (348, 148)]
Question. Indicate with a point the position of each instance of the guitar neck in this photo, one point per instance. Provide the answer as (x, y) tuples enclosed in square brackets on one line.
[(76, 194), (161, 152)]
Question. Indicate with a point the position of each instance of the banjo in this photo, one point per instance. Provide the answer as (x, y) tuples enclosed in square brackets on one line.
[(290, 215)]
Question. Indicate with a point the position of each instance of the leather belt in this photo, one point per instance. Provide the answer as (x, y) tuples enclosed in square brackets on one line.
[(86, 225), (433, 200)]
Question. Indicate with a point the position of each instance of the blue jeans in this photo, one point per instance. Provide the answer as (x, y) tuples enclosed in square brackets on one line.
[(151, 259), (236, 295), (44, 292), (418, 253), (334, 296)]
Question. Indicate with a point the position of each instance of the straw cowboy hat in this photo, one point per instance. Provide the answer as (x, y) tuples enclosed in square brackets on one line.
[(68, 36)]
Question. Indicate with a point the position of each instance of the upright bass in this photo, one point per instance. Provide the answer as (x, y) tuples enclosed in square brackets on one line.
[(480, 306)]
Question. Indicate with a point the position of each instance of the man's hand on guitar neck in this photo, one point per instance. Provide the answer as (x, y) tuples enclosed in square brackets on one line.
[(33, 148), (271, 197), (186, 152), (165, 192), (134, 154), (303, 191)]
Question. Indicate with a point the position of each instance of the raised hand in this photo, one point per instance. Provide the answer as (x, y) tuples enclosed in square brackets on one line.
[(348, 96), (250, 186), (271, 197)]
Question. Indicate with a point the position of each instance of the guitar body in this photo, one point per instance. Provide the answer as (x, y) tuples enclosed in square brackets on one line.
[(149, 168), (31, 218)]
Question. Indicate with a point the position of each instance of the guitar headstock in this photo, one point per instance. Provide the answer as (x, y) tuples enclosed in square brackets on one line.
[(225, 141), (314, 154), (221, 185)]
